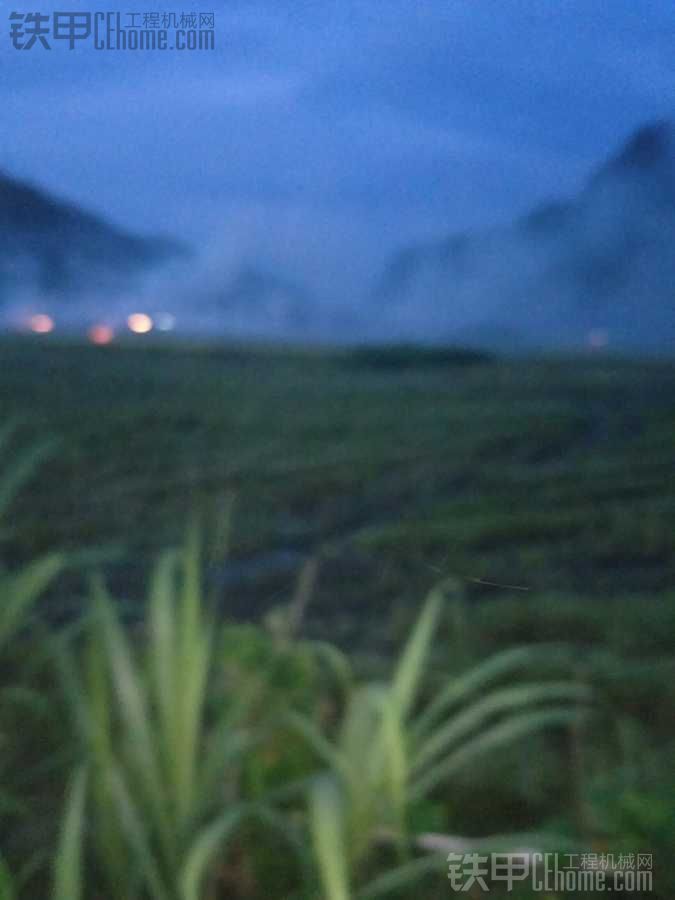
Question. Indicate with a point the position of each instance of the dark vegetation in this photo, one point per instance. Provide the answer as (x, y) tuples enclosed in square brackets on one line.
[(348, 485), (399, 357)]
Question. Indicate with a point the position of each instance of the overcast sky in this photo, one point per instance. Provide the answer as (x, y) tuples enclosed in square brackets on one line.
[(338, 128)]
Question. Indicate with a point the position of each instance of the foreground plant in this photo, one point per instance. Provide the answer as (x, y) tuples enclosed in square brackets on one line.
[(20, 590), (391, 753), (160, 762)]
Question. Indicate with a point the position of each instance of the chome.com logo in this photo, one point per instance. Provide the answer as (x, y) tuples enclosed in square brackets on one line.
[(551, 872), (108, 31)]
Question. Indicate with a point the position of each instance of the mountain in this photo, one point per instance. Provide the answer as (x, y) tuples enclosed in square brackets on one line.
[(56, 248), (599, 268)]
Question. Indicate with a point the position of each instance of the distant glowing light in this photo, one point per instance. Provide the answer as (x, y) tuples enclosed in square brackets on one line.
[(140, 323), (101, 334), (41, 323), (598, 337), (165, 321)]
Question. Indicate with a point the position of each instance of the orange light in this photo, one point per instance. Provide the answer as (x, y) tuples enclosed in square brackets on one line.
[(41, 323), (139, 323), (101, 334)]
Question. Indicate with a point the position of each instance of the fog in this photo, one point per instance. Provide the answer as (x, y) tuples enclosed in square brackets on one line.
[(593, 268)]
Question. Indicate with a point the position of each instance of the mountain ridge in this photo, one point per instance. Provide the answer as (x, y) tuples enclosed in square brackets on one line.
[(602, 260), (57, 248)]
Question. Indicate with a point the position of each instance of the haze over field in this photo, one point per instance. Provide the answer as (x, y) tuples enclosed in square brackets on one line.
[(351, 171)]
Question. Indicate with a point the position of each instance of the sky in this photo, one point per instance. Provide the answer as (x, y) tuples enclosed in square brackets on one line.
[(323, 134)]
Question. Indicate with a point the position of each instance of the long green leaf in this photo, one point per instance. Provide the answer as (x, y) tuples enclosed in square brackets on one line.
[(22, 590), (21, 471), (327, 823), (138, 837), (134, 712), (395, 757), (202, 852), (165, 673), (415, 655), (512, 729), (195, 647), (69, 855), (498, 666), (463, 724)]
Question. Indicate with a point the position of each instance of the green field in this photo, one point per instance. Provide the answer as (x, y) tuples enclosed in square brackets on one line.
[(551, 476), (544, 488)]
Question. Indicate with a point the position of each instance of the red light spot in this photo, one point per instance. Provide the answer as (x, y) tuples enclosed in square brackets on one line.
[(41, 323), (101, 334)]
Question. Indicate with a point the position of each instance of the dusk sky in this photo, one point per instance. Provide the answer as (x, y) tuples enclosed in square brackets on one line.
[(339, 128)]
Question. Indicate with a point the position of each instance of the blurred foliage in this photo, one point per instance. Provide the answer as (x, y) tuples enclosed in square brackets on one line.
[(241, 733)]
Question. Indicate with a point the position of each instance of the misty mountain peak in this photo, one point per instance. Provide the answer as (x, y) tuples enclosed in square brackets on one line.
[(55, 247), (600, 262), (650, 146), (648, 153)]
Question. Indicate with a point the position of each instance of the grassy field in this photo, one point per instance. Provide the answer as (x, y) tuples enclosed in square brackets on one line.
[(543, 488), (554, 477)]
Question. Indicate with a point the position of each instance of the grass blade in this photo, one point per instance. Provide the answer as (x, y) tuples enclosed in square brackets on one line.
[(462, 687), (69, 856), (327, 822), (202, 852), (414, 657), (513, 729), (462, 725), (21, 471), (22, 590)]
